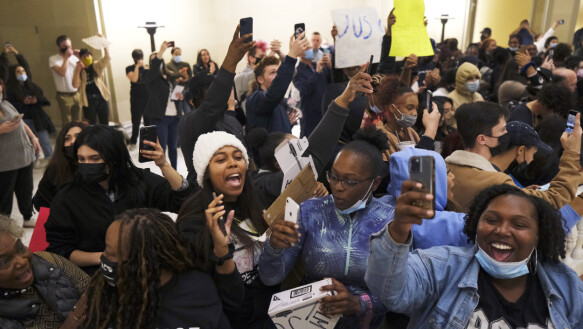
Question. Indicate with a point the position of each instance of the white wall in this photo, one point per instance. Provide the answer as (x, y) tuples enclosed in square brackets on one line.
[(195, 24)]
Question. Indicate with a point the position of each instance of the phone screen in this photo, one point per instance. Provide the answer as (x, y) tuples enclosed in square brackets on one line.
[(149, 133), (246, 27), (571, 121), (429, 100), (299, 28)]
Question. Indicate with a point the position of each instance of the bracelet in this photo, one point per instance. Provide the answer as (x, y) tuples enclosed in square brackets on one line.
[(525, 67), (221, 260)]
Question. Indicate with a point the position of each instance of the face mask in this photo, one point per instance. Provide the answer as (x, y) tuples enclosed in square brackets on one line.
[(93, 173), (21, 77), (360, 204), (109, 271), (87, 61), (70, 152), (375, 108), (553, 45), (517, 167), (473, 86), (309, 54), (483, 37), (503, 142), (580, 73), (177, 59), (63, 50), (406, 120), (513, 49), (502, 270)]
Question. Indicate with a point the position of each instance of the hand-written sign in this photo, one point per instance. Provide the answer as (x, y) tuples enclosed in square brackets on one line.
[(360, 34), (409, 35)]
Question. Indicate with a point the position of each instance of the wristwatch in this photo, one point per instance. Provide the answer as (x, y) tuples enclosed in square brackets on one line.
[(221, 260)]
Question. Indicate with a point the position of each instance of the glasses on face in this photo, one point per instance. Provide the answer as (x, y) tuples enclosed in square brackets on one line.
[(257, 59), (334, 179)]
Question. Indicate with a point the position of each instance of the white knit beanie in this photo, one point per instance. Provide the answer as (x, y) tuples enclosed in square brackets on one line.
[(206, 146)]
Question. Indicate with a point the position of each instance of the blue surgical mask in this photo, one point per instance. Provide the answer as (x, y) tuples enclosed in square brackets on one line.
[(177, 59), (473, 85), (359, 205), (406, 120), (502, 270), (376, 109), (553, 45), (21, 77), (513, 49), (309, 54)]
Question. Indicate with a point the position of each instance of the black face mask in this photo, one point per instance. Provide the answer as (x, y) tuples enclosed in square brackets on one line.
[(109, 271), (93, 173), (503, 142), (64, 50), (483, 37), (516, 167), (70, 152)]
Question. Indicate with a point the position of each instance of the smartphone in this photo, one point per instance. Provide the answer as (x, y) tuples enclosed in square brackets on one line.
[(170, 44), (551, 53), (299, 28), (422, 170), (148, 133), (246, 27), (17, 118), (292, 209), (326, 51), (221, 220), (562, 21), (571, 121), (429, 101), (369, 68)]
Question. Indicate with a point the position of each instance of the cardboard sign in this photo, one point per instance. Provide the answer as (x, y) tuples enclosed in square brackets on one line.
[(409, 35), (360, 34), (298, 308), (289, 157), (300, 189), (97, 42)]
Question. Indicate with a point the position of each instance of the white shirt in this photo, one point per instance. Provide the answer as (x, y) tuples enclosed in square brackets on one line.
[(63, 84), (171, 107), (540, 45)]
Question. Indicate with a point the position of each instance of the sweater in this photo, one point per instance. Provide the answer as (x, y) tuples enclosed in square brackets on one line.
[(265, 108), (81, 213), (473, 173)]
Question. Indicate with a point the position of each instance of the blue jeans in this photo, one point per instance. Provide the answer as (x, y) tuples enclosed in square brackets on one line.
[(43, 139), (168, 136)]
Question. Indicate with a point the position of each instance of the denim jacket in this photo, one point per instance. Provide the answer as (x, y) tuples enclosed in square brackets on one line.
[(438, 287), (332, 245)]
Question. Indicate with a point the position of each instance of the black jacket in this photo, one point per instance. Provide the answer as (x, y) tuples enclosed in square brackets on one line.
[(81, 213), (158, 91), (210, 116)]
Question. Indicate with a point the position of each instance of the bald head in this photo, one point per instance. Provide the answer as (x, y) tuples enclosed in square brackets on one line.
[(570, 78)]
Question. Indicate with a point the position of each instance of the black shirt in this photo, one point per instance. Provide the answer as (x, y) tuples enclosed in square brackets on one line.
[(494, 311), (521, 113), (140, 83), (190, 300)]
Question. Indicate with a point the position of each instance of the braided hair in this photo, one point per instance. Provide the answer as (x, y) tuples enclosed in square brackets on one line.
[(153, 244)]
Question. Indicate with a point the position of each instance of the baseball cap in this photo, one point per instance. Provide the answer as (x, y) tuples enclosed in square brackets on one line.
[(524, 134)]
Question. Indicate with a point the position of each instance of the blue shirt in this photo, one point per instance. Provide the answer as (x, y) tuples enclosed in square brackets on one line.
[(332, 245)]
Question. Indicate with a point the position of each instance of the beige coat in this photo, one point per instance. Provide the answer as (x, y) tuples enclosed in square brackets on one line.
[(461, 94), (473, 173), (394, 140), (81, 80)]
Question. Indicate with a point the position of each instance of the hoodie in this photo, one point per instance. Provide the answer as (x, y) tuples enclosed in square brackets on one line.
[(461, 94), (446, 228)]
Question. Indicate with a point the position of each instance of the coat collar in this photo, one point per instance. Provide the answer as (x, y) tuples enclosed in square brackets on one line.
[(470, 159)]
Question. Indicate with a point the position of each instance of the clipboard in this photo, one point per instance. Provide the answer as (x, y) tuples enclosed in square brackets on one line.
[(300, 189)]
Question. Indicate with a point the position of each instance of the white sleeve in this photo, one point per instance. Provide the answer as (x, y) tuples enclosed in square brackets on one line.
[(53, 60), (540, 45)]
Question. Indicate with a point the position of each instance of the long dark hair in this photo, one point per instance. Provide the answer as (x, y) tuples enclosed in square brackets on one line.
[(154, 245), (246, 206), (124, 175), (61, 168), (199, 59), (20, 90)]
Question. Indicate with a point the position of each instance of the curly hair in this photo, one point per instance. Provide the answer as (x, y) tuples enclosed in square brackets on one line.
[(153, 244), (551, 226), (556, 98), (390, 88), (369, 143)]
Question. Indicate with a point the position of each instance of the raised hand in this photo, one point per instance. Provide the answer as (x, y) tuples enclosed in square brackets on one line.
[(284, 234), (237, 49), (298, 46), (406, 212), (359, 83)]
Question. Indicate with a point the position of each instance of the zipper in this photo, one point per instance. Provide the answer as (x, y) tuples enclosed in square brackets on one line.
[(349, 246)]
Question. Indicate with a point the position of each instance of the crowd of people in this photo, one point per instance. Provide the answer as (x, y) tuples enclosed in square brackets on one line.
[(506, 154)]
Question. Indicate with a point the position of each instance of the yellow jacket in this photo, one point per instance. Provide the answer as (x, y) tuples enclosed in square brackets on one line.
[(461, 94)]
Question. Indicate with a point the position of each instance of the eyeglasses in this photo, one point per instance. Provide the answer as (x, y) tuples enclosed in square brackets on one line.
[(333, 179), (257, 59)]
